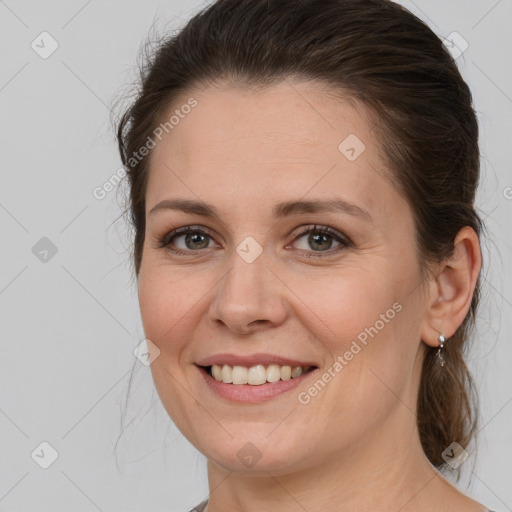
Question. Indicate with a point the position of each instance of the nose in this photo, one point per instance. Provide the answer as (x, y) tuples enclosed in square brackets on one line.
[(249, 297)]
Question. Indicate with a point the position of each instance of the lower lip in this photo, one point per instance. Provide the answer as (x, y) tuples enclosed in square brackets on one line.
[(250, 393)]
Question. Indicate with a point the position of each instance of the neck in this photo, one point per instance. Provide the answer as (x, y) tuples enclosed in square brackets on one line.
[(386, 472)]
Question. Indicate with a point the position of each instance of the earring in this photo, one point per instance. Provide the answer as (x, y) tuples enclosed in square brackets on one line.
[(441, 340)]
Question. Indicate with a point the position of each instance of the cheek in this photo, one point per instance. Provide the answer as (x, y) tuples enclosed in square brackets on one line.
[(361, 317), (164, 302), (344, 301)]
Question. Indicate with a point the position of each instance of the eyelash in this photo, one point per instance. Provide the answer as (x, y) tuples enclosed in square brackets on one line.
[(165, 241)]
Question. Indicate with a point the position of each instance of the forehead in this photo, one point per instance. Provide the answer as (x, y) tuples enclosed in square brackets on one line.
[(284, 141)]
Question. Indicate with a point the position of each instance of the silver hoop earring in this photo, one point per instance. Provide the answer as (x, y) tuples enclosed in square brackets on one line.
[(441, 340)]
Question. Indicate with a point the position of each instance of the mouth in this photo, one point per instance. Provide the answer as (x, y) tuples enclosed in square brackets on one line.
[(254, 384), (255, 375), (254, 378)]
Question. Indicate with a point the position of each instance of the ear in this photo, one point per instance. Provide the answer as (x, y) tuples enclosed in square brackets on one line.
[(451, 289)]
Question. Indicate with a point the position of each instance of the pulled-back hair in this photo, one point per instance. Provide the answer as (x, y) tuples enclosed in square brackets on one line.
[(372, 51)]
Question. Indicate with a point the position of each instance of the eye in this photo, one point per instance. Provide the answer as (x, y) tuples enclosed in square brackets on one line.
[(320, 239), (187, 239)]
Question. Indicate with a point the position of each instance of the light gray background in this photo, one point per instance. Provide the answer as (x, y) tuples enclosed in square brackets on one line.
[(69, 325)]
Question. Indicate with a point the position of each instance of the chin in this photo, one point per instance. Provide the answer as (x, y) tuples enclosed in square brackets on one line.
[(254, 453)]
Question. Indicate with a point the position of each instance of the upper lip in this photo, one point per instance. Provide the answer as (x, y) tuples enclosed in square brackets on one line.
[(251, 360)]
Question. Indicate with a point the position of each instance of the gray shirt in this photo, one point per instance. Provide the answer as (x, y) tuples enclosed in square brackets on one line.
[(200, 507)]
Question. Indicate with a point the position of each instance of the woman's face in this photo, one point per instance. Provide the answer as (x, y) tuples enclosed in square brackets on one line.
[(257, 278)]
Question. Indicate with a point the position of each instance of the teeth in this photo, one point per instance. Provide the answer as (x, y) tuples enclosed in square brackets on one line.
[(227, 374), (255, 375), (217, 372), (286, 372), (239, 375), (273, 373), (296, 372)]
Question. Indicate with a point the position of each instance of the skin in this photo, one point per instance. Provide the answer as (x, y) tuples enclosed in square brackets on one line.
[(355, 445)]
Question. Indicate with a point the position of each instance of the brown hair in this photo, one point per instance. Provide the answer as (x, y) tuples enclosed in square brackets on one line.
[(374, 51)]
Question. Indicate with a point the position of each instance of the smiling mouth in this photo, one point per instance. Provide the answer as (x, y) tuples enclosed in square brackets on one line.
[(255, 375)]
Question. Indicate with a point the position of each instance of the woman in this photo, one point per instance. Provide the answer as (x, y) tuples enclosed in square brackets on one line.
[(302, 181)]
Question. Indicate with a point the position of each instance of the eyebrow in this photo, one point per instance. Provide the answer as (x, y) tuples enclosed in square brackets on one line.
[(280, 210)]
